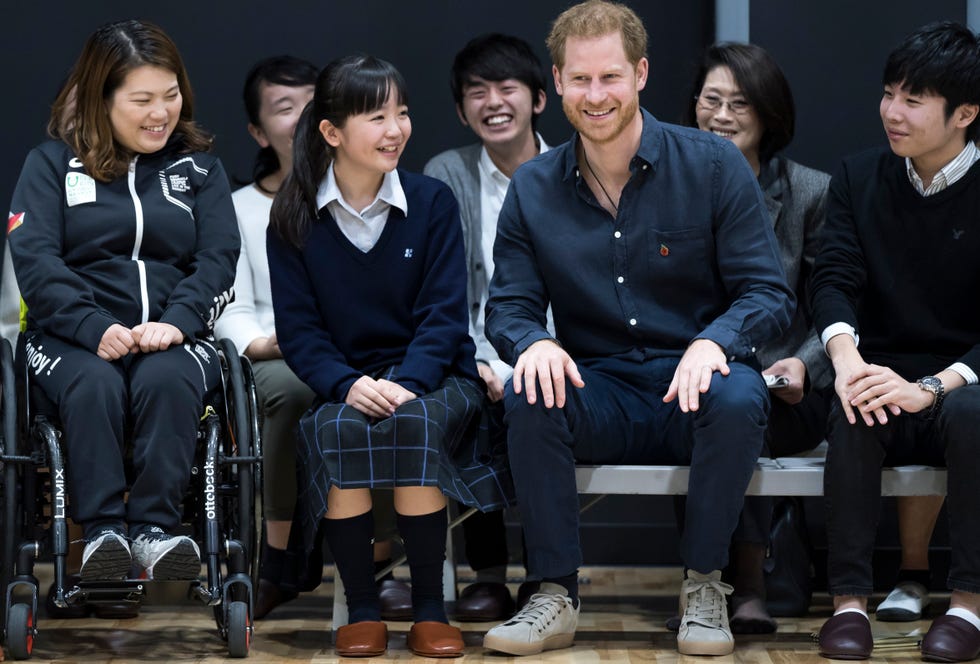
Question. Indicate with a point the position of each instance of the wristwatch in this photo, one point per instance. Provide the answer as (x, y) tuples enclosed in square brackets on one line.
[(934, 385)]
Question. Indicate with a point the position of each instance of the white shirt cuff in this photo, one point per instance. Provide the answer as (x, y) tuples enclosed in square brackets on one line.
[(833, 330), (968, 374)]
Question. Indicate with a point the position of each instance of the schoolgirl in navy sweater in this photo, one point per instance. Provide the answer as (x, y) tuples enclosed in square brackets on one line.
[(369, 292)]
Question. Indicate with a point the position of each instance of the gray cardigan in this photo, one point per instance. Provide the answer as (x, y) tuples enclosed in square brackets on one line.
[(460, 169), (797, 198)]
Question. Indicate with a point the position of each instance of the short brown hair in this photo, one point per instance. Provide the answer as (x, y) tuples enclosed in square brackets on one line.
[(78, 116), (597, 18)]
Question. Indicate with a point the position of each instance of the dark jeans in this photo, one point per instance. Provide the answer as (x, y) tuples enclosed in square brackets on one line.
[(792, 429), (619, 418), (852, 486)]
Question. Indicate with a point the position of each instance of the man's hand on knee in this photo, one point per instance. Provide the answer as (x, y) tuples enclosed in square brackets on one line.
[(545, 363), (692, 377)]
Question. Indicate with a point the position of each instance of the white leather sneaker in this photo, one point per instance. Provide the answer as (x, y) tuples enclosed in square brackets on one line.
[(547, 622), (704, 621)]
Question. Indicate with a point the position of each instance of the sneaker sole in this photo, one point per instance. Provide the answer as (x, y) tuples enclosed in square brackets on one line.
[(110, 561), (504, 645), (180, 563), (709, 648), (898, 615)]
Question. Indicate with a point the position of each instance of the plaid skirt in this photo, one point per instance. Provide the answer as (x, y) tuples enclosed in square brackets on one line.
[(443, 438)]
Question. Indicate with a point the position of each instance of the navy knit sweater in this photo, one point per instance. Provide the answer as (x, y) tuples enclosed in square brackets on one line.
[(342, 313), (900, 267)]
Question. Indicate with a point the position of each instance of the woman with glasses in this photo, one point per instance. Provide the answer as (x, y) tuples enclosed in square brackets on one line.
[(741, 95)]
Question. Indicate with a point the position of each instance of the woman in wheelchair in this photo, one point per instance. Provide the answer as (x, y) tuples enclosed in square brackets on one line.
[(369, 292), (124, 245)]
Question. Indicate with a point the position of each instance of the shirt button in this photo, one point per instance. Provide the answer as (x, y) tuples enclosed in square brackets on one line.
[(620, 279), (645, 166), (617, 235), (632, 321), (753, 349)]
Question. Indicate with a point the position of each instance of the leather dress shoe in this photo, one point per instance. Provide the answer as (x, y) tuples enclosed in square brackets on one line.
[(846, 636), (435, 639), (483, 602), (268, 597), (396, 599), (368, 638), (951, 639)]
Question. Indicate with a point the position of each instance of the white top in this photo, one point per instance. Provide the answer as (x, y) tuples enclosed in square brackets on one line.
[(947, 176), (493, 189), (362, 228), (250, 315)]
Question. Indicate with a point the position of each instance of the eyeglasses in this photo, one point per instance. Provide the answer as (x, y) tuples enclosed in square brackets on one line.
[(714, 102)]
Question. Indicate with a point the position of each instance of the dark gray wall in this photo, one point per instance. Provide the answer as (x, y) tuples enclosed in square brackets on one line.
[(220, 40), (833, 53)]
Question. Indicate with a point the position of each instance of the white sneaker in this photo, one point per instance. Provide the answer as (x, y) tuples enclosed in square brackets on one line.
[(904, 603), (167, 556), (106, 557), (547, 622), (704, 623)]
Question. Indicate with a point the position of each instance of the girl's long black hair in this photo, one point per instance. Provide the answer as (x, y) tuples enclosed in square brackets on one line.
[(347, 86)]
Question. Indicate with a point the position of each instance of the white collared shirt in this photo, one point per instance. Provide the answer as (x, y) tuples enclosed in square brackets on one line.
[(948, 174), (493, 189), (363, 228), (945, 178)]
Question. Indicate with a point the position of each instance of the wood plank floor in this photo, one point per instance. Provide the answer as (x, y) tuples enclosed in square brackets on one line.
[(622, 620)]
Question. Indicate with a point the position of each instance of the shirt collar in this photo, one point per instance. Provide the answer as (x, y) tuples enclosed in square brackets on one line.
[(486, 163), (651, 138), (951, 172), (391, 192)]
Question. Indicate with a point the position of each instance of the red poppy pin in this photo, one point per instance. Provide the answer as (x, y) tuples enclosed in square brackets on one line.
[(664, 251)]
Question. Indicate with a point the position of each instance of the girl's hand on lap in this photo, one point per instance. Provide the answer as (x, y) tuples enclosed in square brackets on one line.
[(369, 397), (395, 393), (117, 341)]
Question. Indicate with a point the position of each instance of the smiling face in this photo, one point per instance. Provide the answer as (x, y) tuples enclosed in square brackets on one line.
[(145, 108), (599, 88), (499, 112), (370, 143), (743, 129), (917, 128), (279, 109)]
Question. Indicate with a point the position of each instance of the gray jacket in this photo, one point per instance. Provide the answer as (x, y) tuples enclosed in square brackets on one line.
[(797, 197)]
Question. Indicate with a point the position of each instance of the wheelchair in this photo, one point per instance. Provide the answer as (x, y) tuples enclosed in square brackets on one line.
[(222, 507)]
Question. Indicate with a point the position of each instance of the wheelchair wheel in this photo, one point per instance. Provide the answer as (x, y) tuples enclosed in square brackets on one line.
[(239, 629), (20, 631)]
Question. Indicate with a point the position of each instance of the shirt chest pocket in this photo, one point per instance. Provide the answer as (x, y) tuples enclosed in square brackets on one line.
[(671, 253)]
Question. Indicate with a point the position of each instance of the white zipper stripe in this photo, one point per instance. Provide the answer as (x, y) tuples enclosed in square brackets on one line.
[(204, 376), (138, 243)]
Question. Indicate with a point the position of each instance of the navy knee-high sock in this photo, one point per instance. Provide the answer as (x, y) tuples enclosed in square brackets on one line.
[(350, 541), (425, 547)]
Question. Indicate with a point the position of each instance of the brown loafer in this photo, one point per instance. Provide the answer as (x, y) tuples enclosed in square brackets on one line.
[(483, 602), (396, 600), (368, 638), (435, 639), (846, 636), (951, 639)]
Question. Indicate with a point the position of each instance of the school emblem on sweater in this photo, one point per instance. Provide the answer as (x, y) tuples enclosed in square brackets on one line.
[(409, 253), (15, 220)]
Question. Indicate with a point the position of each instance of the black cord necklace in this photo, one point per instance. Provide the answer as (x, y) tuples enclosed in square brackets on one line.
[(591, 170)]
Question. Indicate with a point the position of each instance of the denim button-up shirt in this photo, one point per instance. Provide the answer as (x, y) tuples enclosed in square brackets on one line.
[(691, 254)]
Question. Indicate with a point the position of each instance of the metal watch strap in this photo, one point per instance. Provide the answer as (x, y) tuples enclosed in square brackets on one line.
[(934, 385)]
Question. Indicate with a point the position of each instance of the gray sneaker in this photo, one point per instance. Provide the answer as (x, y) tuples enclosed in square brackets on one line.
[(547, 622), (167, 556), (704, 623), (106, 557)]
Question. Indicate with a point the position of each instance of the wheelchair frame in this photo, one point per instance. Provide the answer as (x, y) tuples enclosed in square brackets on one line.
[(223, 504)]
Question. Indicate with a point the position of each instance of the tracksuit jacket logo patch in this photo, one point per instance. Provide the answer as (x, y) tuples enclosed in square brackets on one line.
[(14, 220)]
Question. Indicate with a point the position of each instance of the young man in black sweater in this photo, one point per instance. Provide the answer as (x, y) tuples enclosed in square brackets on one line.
[(897, 274)]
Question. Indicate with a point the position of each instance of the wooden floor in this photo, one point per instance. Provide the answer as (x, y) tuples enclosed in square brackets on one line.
[(622, 620)]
